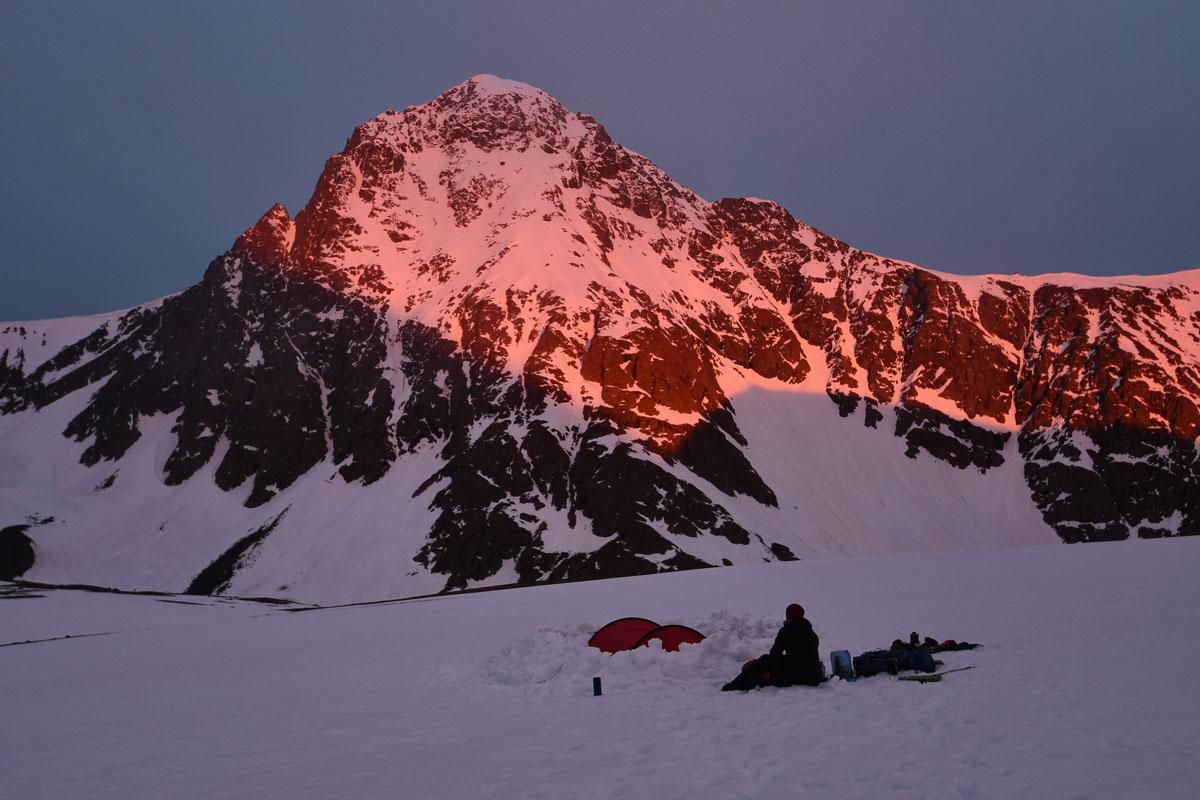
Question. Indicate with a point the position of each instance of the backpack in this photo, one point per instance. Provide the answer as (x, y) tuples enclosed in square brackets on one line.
[(874, 662), (892, 661)]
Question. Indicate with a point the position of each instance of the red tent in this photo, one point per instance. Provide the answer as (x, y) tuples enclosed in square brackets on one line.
[(671, 637), (622, 634)]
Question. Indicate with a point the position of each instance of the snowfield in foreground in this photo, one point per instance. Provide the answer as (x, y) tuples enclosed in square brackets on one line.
[(1086, 688)]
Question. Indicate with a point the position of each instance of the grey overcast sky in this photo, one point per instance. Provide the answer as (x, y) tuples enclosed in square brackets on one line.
[(139, 139)]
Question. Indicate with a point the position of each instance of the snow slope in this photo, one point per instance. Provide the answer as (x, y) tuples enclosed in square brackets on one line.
[(1085, 688), (843, 489)]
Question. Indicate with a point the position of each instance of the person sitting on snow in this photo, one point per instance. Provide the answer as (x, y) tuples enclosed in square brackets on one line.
[(793, 659)]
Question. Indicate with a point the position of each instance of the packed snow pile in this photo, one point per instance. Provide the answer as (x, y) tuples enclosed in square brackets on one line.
[(559, 660)]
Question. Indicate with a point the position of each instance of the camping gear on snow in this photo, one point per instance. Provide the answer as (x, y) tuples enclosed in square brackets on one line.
[(841, 665), (874, 662), (767, 670), (630, 633), (935, 677), (933, 644), (915, 654), (892, 661), (621, 634), (671, 636)]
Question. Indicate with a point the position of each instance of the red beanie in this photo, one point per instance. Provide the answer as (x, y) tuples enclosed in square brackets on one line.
[(795, 611)]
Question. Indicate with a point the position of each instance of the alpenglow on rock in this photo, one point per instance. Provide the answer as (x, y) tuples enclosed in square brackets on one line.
[(497, 347)]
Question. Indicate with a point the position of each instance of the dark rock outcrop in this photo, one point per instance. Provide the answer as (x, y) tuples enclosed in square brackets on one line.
[(17, 555)]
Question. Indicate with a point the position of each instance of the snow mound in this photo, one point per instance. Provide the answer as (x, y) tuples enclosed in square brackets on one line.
[(559, 659)]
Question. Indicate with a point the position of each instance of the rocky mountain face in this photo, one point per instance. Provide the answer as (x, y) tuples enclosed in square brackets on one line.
[(498, 336)]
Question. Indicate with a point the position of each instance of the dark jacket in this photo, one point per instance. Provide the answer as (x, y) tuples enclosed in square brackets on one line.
[(795, 655)]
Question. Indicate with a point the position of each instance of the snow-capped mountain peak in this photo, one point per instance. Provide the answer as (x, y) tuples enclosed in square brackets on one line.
[(496, 346), (490, 171)]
